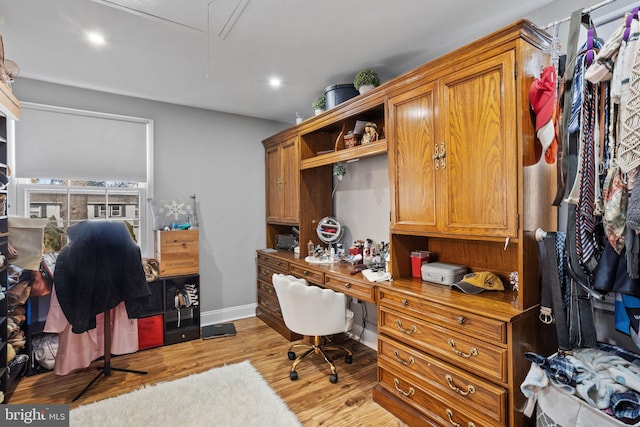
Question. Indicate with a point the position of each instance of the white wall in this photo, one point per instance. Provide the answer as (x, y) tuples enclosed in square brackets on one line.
[(216, 156)]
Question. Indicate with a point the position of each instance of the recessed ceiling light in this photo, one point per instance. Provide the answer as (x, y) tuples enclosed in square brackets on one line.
[(275, 82), (95, 38)]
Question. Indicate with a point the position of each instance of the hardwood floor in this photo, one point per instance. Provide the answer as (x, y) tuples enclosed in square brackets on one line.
[(312, 397)]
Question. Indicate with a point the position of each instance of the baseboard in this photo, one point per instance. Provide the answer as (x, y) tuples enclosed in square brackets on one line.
[(227, 314), (369, 338)]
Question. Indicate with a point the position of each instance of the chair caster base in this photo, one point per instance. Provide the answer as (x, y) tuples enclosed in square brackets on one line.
[(293, 375), (348, 359), (291, 355), (333, 378)]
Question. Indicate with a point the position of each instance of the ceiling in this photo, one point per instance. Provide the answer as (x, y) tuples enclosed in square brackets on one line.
[(173, 51)]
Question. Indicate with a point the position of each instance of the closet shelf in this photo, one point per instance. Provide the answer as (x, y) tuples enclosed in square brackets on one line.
[(358, 152)]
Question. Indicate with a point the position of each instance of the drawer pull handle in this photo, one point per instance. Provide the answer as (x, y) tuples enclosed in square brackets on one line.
[(347, 285), (470, 389), (409, 393), (450, 415), (305, 272), (461, 320), (404, 301), (472, 352), (401, 360), (406, 331)]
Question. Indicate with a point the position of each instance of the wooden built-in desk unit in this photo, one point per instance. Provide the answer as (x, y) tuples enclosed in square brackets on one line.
[(467, 183)]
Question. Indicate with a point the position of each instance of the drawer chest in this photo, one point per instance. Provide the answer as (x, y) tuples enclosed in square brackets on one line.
[(446, 358)]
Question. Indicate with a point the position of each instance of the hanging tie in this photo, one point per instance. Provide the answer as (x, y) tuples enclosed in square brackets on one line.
[(586, 242)]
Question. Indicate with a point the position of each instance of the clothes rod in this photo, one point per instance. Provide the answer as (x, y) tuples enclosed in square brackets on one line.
[(584, 12)]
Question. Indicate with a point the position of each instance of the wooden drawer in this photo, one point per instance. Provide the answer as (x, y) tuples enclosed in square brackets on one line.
[(266, 271), (428, 402), (267, 288), (479, 357), (269, 302), (312, 276), (273, 262), (452, 384), (459, 320), (181, 335), (363, 291)]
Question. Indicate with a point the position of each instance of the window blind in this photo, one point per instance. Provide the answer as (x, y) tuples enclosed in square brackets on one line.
[(63, 144)]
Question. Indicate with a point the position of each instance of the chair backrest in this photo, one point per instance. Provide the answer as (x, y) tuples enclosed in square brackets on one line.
[(310, 310)]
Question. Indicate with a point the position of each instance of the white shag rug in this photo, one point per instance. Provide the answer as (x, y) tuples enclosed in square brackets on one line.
[(232, 395)]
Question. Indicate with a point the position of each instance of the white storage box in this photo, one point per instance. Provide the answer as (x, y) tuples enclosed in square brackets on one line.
[(444, 274)]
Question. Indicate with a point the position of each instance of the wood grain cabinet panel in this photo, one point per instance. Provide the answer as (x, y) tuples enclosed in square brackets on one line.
[(414, 189), (282, 181)]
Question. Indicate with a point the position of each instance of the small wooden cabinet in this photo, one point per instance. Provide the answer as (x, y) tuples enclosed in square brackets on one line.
[(281, 157)]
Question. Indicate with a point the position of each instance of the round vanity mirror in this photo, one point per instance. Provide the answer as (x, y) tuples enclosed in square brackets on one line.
[(329, 230)]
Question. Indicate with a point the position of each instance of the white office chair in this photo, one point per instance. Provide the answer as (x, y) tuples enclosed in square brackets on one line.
[(315, 312)]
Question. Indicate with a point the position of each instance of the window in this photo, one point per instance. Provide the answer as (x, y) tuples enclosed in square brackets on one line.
[(69, 201), (74, 165)]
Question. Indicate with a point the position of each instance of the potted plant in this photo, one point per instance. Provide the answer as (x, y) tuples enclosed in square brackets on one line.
[(366, 80), (319, 104)]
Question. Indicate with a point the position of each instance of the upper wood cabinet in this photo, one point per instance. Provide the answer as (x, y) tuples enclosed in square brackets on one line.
[(282, 181), (452, 153), (414, 182)]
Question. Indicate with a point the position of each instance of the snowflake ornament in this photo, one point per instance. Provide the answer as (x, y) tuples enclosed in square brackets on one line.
[(176, 209)]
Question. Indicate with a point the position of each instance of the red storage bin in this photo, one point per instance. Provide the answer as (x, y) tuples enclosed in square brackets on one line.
[(417, 258), (150, 332)]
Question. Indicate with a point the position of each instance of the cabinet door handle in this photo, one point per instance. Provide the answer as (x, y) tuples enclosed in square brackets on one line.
[(279, 183), (347, 285), (411, 331), (439, 156), (461, 320), (409, 393), (404, 301), (450, 415), (305, 272), (470, 389), (401, 360), (472, 352)]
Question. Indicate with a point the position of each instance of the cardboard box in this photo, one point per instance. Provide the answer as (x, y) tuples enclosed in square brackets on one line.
[(177, 252)]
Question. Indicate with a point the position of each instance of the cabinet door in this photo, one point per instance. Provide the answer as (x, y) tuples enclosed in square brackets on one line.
[(290, 178), (478, 125), (273, 183), (412, 141), (282, 177)]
